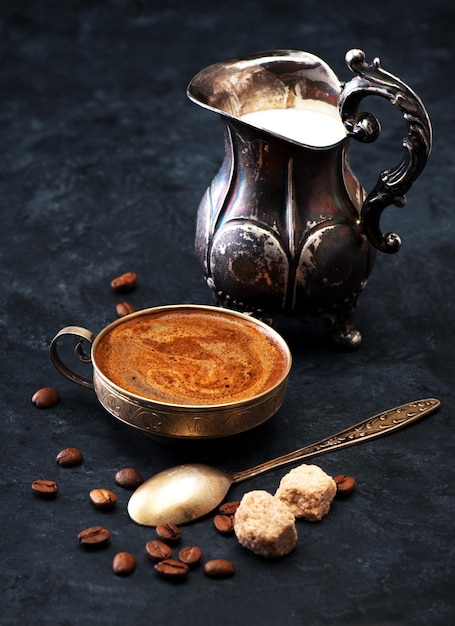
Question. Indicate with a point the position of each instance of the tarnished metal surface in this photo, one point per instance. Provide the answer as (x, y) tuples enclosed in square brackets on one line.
[(169, 421), (285, 227)]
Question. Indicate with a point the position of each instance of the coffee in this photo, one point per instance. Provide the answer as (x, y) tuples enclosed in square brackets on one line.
[(124, 283), (45, 488), (69, 457), (172, 569), (169, 532), (103, 498), (45, 397), (224, 524), (158, 550), (94, 536), (191, 357), (129, 478), (219, 568), (191, 555), (345, 484), (124, 308), (123, 564), (228, 508)]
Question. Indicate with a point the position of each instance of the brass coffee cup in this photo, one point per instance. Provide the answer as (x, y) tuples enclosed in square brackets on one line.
[(168, 419)]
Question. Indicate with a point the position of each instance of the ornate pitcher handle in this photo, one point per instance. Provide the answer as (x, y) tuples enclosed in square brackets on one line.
[(393, 183), (84, 335)]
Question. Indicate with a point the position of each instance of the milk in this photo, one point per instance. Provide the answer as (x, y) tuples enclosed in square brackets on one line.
[(311, 128)]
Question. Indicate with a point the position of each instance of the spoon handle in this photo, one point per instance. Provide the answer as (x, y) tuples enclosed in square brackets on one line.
[(376, 426)]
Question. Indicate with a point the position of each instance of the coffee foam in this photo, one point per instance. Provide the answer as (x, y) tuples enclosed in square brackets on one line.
[(191, 357)]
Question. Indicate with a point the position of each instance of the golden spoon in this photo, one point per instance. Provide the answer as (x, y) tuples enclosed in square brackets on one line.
[(184, 493)]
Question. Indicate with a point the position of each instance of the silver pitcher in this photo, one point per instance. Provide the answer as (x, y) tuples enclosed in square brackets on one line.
[(285, 226)]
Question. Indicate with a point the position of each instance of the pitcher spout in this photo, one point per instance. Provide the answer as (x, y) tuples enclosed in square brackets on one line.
[(258, 88)]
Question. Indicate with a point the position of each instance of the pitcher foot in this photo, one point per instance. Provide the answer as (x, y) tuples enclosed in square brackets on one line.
[(345, 337)]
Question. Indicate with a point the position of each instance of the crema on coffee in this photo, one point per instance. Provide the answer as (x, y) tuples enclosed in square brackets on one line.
[(192, 357)]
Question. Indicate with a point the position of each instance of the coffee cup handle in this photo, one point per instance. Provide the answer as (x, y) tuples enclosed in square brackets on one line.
[(80, 354)]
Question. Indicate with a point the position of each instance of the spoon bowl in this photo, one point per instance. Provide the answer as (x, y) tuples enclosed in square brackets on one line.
[(180, 494), (185, 493)]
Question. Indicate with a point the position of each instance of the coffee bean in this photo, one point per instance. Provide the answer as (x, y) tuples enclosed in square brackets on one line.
[(103, 498), (219, 568), (123, 564), (124, 308), (69, 457), (45, 488), (172, 569), (169, 532), (94, 536), (224, 524), (124, 283), (129, 478), (229, 508), (45, 397), (191, 555), (158, 550), (345, 484)]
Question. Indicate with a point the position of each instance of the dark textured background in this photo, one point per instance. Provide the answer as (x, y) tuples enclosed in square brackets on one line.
[(103, 161)]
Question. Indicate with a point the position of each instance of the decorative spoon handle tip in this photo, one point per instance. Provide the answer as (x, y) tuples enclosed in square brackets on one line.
[(376, 426)]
